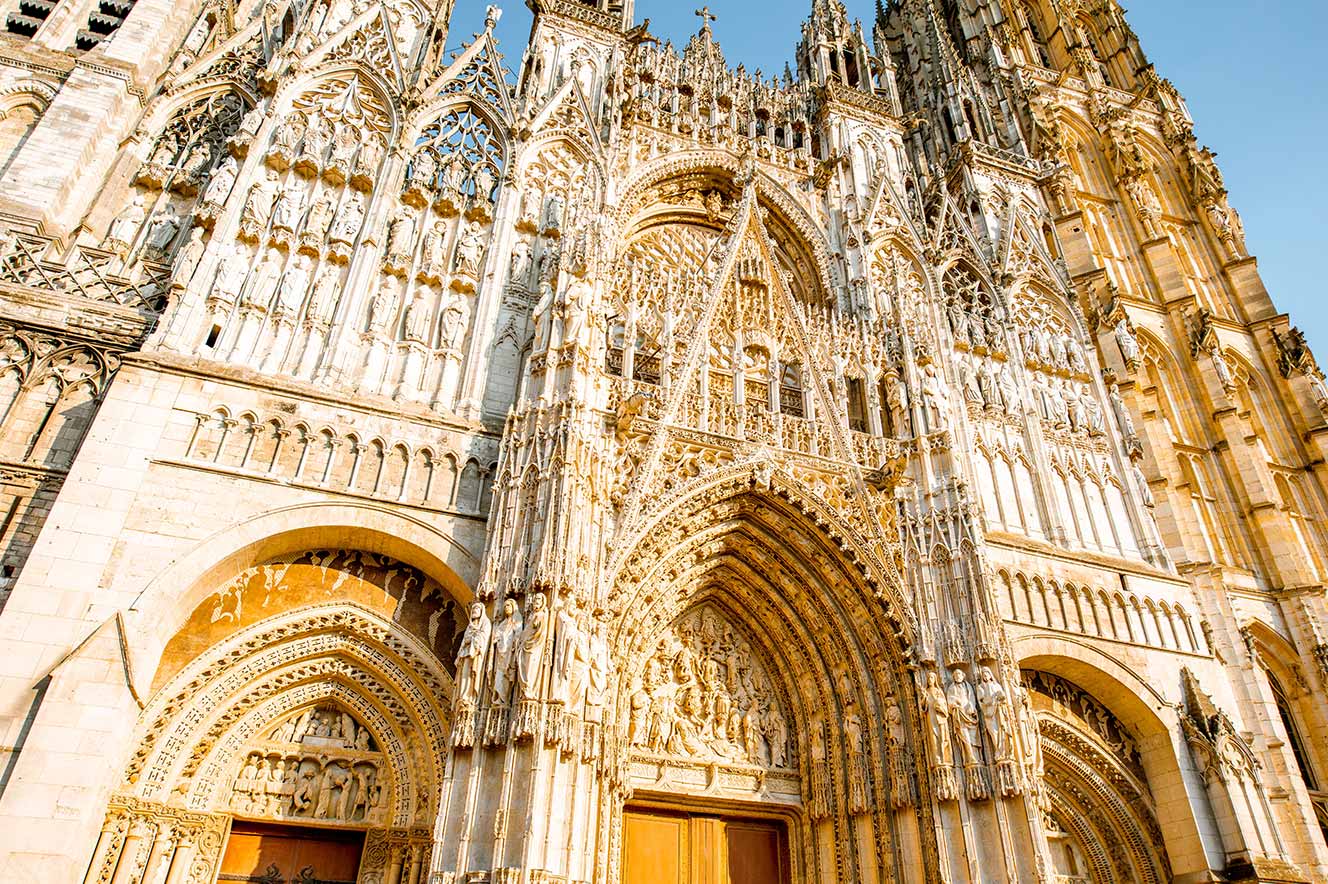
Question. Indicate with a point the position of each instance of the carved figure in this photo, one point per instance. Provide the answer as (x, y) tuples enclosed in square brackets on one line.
[(530, 655), (470, 657), (126, 225), (506, 637), (937, 708), (997, 715), (964, 718), (219, 187)]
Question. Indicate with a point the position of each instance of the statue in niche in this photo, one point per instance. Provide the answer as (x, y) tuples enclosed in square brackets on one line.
[(306, 791), (401, 234), (345, 140), (518, 272), (251, 122), (231, 273), (320, 218), (553, 214), (484, 182), (383, 307), (987, 384), (934, 399), (452, 324), (424, 169), (598, 687), (293, 286), (576, 301), (964, 718), (775, 727), (453, 177), (126, 225), (1141, 482), (969, 385), (290, 207), (431, 256), (347, 224), (1029, 738), (187, 258), (997, 714), (506, 638), (162, 232), (258, 206), (417, 316), (959, 323), (219, 187), (936, 705), (571, 655), (289, 133), (530, 654), (324, 299), (196, 163), (470, 658), (470, 249), (255, 297), (638, 714)]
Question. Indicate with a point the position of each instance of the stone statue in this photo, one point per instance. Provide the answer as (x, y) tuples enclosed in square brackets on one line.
[(289, 132), (470, 658), (530, 653), (319, 219), (345, 139), (258, 206), (1127, 342), (934, 399), (219, 187), (162, 231), (470, 248), (347, 224), (401, 234), (126, 225), (417, 317), (775, 727), (293, 286), (324, 299), (231, 272), (937, 709), (423, 169), (997, 716), (290, 206), (576, 300), (1141, 482), (964, 718), (506, 637), (452, 324), (187, 258), (571, 655), (383, 307)]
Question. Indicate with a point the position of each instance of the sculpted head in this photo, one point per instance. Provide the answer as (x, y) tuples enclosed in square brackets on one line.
[(958, 675), (476, 611)]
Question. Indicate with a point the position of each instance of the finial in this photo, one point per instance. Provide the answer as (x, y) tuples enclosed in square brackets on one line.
[(706, 17)]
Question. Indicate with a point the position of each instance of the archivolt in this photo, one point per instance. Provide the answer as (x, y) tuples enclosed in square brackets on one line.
[(192, 732), (1103, 805)]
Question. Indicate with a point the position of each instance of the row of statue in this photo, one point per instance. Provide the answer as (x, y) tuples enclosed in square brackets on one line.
[(976, 727), (558, 654), (308, 787)]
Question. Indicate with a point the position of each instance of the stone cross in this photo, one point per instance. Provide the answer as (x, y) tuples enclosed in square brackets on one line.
[(706, 16)]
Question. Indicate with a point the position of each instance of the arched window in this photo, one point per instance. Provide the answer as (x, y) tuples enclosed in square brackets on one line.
[(1284, 709), (790, 391)]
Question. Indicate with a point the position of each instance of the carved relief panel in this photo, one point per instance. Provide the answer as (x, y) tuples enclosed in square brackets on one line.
[(319, 764), (705, 695)]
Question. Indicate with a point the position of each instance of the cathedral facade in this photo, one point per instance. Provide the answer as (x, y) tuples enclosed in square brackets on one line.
[(635, 469)]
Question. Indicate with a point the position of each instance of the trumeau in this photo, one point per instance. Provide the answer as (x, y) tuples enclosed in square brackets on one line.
[(904, 449)]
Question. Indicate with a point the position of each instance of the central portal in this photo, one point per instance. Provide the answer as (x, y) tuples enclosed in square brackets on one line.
[(673, 847)]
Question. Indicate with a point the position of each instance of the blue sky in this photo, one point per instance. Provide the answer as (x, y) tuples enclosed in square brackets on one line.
[(1251, 73)]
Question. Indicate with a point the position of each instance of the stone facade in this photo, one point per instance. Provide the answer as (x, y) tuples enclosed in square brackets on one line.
[(904, 451)]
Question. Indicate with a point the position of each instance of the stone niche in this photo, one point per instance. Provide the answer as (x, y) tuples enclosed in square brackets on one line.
[(392, 588), (319, 765)]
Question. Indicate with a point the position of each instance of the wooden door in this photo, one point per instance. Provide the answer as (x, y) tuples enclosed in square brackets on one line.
[(261, 854), (666, 847)]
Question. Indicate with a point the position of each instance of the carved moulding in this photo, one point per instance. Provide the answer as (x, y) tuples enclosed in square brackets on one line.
[(199, 732)]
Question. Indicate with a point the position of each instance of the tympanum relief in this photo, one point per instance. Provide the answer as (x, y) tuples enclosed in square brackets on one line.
[(704, 695), (319, 765)]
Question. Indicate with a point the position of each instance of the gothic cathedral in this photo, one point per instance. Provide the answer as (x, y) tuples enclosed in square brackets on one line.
[(631, 469)]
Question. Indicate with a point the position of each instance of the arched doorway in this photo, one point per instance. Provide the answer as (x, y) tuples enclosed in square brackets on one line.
[(763, 698), (1099, 813), (296, 731)]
